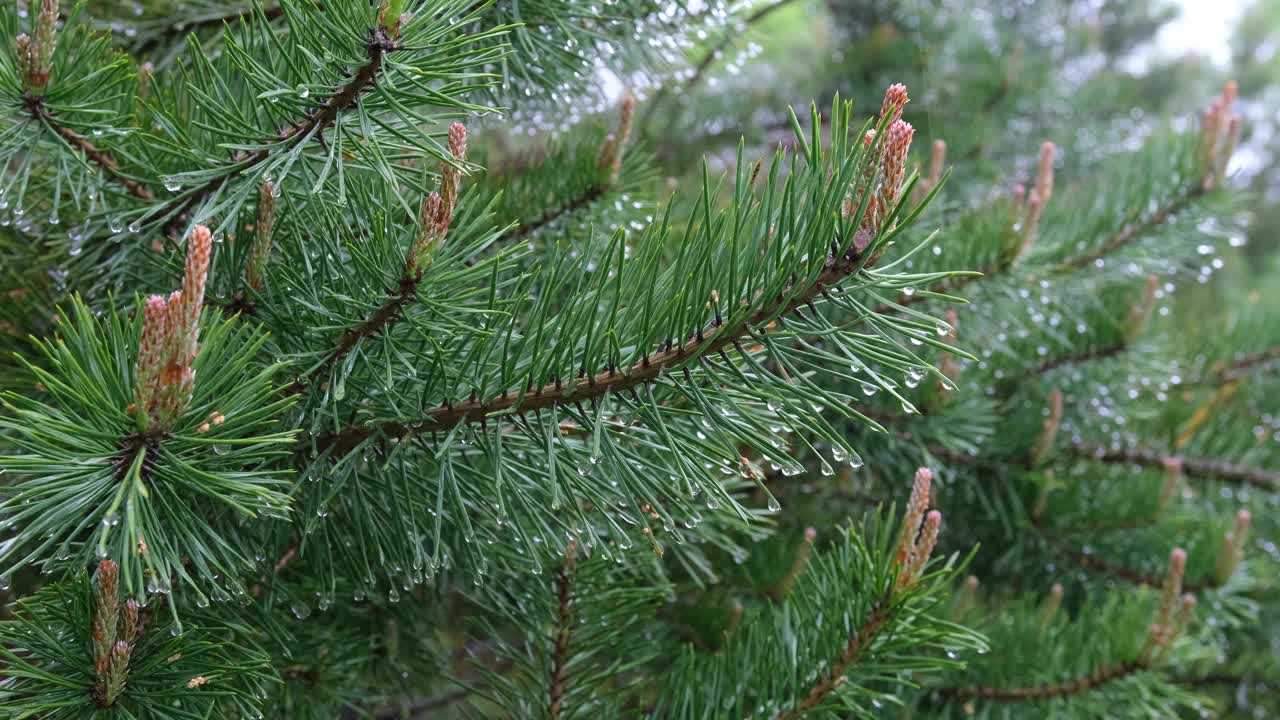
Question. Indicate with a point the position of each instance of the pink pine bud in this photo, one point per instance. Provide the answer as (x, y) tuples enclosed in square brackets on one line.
[(1229, 93), (1044, 174), (916, 507), (451, 178), (42, 45), (625, 115), (1172, 478), (1162, 628), (1048, 429), (193, 283), (924, 548), (937, 163), (897, 144), (151, 354), (1243, 519), (810, 535), (458, 141), (1177, 565), (609, 162), (130, 628), (25, 59), (106, 611), (869, 138), (428, 236), (895, 99)]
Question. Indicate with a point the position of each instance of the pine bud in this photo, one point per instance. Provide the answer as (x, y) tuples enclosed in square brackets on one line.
[(42, 46), (451, 178), (193, 283), (895, 99), (130, 623), (1229, 149), (1141, 310), (1172, 479), (916, 506), (151, 358), (1048, 430), (1231, 552), (1030, 228), (106, 613), (146, 73), (25, 59), (427, 239), (924, 547), (1162, 628), (937, 164), (1219, 134), (1044, 173), (894, 171), (261, 253), (1052, 603), (609, 164), (118, 672)]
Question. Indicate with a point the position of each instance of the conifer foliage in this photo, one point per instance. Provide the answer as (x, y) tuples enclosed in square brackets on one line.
[(340, 383)]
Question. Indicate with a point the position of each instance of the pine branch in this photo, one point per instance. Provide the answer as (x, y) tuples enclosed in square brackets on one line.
[(612, 380), (1124, 572), (524, 230), (1207, 468), (714, 52), (859, 641), (1137, 228), (560, 655), (386, 314), (365, 77), (36, 108), (1085, 683), (1247, 364)]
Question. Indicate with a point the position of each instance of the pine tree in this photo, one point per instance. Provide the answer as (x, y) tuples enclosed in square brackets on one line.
[(359, 362)]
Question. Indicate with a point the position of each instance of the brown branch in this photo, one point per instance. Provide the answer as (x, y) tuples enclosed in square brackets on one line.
[(560, 655), (710, 57), (1248, 363), (524, 230), (1126, 235), (387, 313), (1085, 683), (379, 44), (1124, 572), (1199, 467), (1077, 359), (613, 380), (36, 108), (859, 642), (1137, 228)]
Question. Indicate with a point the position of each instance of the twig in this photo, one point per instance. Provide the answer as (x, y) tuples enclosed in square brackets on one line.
[(379, 44), (1136, 228), (859, 641), (560, 655), (1248, 363), (727, 39), (612, 380), (551, 215), (1200, 467), (1096, 679), (385, 315), (36, 108)]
